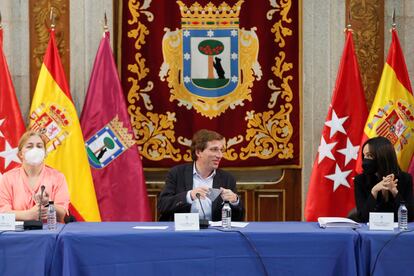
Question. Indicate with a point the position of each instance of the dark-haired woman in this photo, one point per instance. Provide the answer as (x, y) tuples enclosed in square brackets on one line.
[(382, 186)]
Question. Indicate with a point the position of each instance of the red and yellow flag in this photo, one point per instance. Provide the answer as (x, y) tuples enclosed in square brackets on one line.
[(53, 112), (392, 111)]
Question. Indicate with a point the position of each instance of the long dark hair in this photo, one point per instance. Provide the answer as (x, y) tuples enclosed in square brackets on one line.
[(384, 155)]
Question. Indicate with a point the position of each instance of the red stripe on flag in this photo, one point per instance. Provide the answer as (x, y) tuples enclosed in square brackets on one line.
[(56, 70), (396, 60)]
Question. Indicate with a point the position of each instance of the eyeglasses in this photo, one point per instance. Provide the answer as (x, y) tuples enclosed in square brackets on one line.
[(217, 150)]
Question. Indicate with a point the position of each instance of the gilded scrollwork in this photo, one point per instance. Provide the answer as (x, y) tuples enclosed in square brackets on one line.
[(269, 133), (154, 132)]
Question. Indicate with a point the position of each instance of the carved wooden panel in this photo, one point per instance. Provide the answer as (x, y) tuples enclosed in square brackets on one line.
[(367, 21), (262, 199), (39, 18), (153, 198), (270, 205)]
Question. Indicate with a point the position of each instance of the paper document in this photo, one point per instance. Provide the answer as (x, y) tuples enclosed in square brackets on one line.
[(213, 193), (395, 225), (327, 222), (236, 224), (149, 227)]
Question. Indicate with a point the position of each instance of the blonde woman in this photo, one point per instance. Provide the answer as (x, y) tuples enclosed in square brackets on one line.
[(20, 188)]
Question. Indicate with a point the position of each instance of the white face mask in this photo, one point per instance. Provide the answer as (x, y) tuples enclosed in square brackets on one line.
[(34, 156)]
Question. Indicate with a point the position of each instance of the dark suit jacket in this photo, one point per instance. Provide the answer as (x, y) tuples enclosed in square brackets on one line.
[(180, 180), (365, 201)]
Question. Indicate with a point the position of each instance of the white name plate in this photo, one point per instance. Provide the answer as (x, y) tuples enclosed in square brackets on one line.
[(381, 221), (7, 222), (186, 221)]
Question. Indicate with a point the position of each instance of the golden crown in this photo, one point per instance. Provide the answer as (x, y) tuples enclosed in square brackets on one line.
[(122, 132), (58, 115), (210, 16), (405, 110)]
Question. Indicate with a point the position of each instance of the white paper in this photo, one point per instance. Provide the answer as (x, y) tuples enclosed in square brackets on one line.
[(213, 193), (151, 227), (395, 224), (7, 222), (381, 221), (235, 224), (186, 221), (327, 222)]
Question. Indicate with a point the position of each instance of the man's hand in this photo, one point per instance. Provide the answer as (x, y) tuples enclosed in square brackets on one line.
[(202, 190), (228, 195)]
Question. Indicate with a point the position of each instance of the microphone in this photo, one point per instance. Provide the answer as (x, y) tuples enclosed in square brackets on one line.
[(204, 221), (36, 224), (42, 189)]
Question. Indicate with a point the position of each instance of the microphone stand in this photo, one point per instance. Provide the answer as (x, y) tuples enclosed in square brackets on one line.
[(36, 224), (203, 222), (42, 189)]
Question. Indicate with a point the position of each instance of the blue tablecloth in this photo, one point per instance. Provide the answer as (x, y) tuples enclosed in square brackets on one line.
[(286, 248), (27, 253), (386, 252)]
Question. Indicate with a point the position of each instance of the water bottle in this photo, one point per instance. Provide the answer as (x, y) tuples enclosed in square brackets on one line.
[(402, 217), (226, 215), (51, 216)]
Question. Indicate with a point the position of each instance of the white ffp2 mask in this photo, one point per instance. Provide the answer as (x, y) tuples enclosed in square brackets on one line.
[(34, 156)]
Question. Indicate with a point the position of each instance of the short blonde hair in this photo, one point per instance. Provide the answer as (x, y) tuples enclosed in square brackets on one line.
[(29, 134)]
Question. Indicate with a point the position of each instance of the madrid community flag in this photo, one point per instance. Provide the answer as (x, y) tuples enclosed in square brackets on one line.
[(392, 111), (11, 121), (53, 112), (331, 191), (110, 143)]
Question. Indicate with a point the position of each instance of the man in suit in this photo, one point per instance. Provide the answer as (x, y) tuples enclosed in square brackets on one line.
[(187, 181)]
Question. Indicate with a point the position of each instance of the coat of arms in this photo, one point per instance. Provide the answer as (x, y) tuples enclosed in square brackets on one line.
[(53, 122), (108, 143), (210, 62), (394, 121)]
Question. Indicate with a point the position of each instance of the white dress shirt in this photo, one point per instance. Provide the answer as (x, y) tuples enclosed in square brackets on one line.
[(198, 181)]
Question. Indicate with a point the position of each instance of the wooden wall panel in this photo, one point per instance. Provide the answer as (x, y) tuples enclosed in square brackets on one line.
[(263, 201), (39, 18), (270, 205)]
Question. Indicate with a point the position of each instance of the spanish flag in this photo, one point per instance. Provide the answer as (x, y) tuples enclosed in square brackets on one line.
[(54, 113), (392, 112)]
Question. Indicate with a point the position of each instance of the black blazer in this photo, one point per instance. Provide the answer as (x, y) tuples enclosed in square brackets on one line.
[(180, 180), (366, 203)]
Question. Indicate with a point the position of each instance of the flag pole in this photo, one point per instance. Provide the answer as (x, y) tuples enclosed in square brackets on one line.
[(105, 27), (394, 25), (348, 27), (52, 19), (1, 26)]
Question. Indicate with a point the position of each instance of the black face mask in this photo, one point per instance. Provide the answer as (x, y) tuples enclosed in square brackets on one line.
[(369, 166)]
